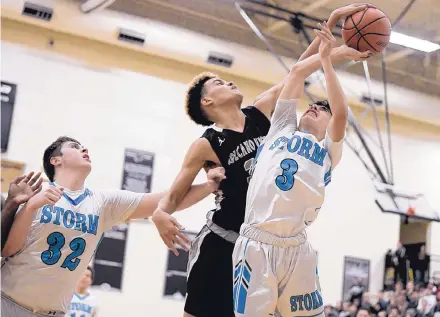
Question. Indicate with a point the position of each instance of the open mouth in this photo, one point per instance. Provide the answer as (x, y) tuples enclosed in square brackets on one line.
[(313, 113)]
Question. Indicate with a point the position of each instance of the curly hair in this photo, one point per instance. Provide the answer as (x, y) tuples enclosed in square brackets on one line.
[(194, 96)]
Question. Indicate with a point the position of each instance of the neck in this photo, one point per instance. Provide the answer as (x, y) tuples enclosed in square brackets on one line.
[(313, 131), (81, 291), (70, 180), (230, 117)]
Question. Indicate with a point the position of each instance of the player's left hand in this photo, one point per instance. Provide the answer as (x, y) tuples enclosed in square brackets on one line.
[(170, 231), (328, 41), (353, 54), (343, 12), (215, 176), (25, 187)]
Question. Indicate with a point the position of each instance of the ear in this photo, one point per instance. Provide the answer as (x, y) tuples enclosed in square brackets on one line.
[(55, 160), (206, 101)]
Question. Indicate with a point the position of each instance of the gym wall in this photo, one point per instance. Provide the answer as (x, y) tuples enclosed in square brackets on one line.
[(85, 94)]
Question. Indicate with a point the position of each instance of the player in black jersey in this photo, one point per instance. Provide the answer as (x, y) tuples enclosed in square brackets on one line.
[(230, 142)]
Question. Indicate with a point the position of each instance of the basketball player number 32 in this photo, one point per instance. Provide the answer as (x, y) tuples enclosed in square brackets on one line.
[(52, 255), (286, 179)]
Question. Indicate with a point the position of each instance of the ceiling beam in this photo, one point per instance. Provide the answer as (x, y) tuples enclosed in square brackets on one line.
[(308, 9)]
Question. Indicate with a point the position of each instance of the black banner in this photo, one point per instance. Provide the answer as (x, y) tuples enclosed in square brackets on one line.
[(176, 273), (8, 94), (356, 278), (138, 171), (109, 258)]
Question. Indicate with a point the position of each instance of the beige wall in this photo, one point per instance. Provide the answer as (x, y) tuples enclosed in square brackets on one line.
[(100, 54)]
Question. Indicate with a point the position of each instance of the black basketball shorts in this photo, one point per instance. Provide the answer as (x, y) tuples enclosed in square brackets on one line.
[(210, 279)]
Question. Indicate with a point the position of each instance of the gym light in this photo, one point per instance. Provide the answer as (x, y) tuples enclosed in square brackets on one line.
[(413, 42)]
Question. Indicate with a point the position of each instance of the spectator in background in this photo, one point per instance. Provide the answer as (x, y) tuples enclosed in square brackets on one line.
[(427, 303), (400, 262), (421, 266), (363, 313), (83, 303), (390, 271)]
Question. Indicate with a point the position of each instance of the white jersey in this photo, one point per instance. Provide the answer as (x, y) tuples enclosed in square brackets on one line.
[(290, 173), (83, 306), (60, 245)]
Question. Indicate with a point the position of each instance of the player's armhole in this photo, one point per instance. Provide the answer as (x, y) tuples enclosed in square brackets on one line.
[(205, 151)]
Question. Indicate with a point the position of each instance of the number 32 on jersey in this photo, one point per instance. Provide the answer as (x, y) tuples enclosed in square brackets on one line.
[(52, 255), (286, 180)]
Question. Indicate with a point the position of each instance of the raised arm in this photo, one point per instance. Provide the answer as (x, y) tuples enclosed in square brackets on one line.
[(20, 191), (336, 96), (24, 217), (285, 111), (267, 100)]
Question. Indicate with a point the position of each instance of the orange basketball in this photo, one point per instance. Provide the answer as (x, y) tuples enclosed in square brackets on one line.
[(367, 30)]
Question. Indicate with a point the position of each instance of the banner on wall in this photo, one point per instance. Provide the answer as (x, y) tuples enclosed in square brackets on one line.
[(109, 259), (8, 94), (176, 272), (138, 171), (356, 278)]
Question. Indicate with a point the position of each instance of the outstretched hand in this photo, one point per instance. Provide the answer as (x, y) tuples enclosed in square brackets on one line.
[(25, 187), (343, 12), (170, 231), (328, 41), (353, 54)]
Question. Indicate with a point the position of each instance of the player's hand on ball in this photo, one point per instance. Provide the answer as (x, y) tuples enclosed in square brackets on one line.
[(49, 196), (170, 231), (343, 12), (215, 176), (25, 187), (353, 54), (328, 41)]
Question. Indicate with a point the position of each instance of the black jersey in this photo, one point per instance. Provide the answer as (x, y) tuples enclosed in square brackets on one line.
[(236, 152)]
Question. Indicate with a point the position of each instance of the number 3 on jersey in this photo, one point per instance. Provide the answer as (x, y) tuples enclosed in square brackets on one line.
[(286, 180), (52, 255)]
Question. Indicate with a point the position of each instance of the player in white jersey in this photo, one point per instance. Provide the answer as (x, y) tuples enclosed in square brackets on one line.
[(275, 268), (55, 234), (84, 304)]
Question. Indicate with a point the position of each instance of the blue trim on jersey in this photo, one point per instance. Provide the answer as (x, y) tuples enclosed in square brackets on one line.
[(81, 297), (242, 279), (78, 199)]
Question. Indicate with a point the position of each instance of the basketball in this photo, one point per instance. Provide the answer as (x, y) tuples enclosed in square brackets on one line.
[(367, 30)]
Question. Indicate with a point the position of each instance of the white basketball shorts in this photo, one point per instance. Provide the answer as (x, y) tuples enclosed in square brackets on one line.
[(275, 276)]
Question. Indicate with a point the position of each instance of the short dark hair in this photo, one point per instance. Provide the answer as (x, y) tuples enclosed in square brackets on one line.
[(194, 96), (54, 150), (323, 103), (92, 272)]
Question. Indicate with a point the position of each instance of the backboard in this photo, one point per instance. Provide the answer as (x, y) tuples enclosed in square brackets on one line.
[(391, 199)]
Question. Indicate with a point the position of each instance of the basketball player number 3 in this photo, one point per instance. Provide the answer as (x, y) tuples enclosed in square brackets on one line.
[(52, 255), (286, 179)]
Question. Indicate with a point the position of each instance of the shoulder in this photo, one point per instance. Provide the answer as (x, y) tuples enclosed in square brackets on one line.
[(257, 115)]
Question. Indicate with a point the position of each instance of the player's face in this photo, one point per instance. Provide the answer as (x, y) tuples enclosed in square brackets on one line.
[(318, 116), (86, 280), (74, 155), (219, 92)]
